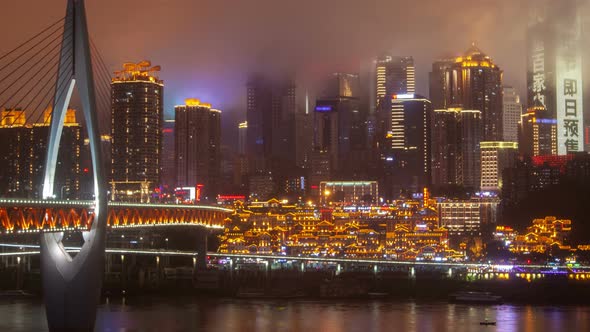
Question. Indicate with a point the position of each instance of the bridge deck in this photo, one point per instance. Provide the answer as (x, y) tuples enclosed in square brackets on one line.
[(30, 216)]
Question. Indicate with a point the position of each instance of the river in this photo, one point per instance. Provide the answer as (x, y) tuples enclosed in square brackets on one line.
[(184, 314)]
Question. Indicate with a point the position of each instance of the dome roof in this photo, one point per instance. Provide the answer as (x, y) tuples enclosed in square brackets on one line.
[(474, 51)]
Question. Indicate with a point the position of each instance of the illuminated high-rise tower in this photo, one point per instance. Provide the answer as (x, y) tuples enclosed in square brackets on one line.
[(456, 138), (474, 82), (23, 151), (67, 172), (511, 114), (555, 70), (198, 147), (393, 76), (136, 130), (407, 152), (538, 133), (14, 153)]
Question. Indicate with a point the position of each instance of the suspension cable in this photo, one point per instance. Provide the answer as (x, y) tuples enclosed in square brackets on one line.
[(32, 38)]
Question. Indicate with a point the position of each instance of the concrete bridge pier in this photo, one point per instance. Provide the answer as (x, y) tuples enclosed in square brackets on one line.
[(231, 269), (202, 248), (19, 272)]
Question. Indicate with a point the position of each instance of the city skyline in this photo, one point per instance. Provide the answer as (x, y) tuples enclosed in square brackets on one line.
[(218, 71), (337, 179)]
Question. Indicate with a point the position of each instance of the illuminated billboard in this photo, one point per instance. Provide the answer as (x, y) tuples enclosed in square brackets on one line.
[(569, 91)]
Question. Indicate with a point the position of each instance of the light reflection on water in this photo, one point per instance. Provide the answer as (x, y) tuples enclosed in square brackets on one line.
[(174, 314)]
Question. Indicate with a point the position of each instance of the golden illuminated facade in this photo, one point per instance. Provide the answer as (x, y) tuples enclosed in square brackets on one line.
[(23, 152), (542, 235), (495, 157), (475, 82), (407, 230), (136, 130), (538, 133)]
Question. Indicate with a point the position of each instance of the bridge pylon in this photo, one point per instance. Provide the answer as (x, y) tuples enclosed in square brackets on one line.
[(72, 285)]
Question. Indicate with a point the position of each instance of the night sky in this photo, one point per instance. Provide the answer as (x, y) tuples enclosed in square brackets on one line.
[(207, 48)]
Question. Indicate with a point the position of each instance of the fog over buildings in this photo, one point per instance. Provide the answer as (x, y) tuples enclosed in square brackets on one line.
[(209, 48)]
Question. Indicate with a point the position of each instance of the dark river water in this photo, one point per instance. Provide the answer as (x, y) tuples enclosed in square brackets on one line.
[(170, 314)]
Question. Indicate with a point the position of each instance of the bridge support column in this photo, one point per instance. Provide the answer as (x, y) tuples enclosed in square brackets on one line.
[(19, 272), (71, 285), (202, 248), (231, 269), (123, 273)]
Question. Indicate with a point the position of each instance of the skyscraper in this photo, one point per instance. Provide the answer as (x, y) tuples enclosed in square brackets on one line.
[(242, 132), (197, 145), (538, 133), (303, 139), (343, 85), (23, 152), (456, 137), (167, 163), (408, 148), (339, 131), (136, 131), (240, 164), (445, 146), (393, 75), (471, 124), (511, 115), (67, 176), (437, 82), (14, 153), (473, 82), (495, 158), (270, 115), (555, 73)]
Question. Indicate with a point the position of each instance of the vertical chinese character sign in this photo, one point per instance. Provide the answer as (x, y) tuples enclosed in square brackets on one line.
[(538, 68), (570, 110)]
